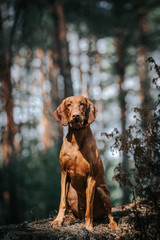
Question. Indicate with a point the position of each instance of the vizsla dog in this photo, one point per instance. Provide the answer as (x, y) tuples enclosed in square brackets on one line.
[(83, 189)]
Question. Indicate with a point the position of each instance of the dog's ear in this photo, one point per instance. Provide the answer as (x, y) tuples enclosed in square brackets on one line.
[(60, 114), (91, 111)]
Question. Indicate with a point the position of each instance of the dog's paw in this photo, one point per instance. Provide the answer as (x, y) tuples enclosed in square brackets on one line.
[(114, 225), (89, 227), (57, 222)]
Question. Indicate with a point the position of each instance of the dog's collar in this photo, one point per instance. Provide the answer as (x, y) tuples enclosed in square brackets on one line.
[(86, 125)]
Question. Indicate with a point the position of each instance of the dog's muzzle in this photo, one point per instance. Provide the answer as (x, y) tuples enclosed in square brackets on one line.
[(76, 124)]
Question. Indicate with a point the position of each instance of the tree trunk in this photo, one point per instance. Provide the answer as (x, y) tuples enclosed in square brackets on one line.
[(122, 93), (9, 144), (142, 50), (50, 133), (62, 46)]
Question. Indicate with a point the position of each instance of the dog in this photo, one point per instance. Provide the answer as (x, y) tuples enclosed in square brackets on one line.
[(83, 189)]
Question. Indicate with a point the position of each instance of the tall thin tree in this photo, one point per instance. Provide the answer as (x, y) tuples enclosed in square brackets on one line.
[(10, 128), (142, 50), (120, 66), (62, 45)]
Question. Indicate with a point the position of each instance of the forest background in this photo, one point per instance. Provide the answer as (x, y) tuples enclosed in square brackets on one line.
[(52, 49)]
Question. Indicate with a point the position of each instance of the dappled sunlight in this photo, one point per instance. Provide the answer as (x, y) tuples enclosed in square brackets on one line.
[(50, 50)]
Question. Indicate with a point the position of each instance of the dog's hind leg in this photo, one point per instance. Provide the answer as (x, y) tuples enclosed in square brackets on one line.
[(104, 194), (71, 201)]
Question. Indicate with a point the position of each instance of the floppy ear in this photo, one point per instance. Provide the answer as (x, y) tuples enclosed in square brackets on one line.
[(91, 111), (60, 114)]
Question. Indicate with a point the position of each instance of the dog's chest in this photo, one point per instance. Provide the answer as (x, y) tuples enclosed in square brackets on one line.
[(74, 163), (77, 168)]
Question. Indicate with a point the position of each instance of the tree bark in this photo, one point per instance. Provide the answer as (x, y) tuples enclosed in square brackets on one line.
[(9, 144), (142, 50), (122, 94), (50, 129), (62, 46)]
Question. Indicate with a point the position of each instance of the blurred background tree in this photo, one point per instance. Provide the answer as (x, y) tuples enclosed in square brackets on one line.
[(52, 49)]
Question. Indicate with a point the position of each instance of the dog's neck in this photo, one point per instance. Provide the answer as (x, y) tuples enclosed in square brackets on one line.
[(78, 135)]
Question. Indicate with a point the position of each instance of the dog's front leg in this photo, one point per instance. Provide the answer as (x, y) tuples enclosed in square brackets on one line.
[(90, 190), (62, 206)]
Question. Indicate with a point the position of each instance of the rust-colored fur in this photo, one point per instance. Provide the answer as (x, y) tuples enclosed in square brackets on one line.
[(83, 188)]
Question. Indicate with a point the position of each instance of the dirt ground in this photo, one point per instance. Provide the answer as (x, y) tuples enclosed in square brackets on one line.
[(42, 230)]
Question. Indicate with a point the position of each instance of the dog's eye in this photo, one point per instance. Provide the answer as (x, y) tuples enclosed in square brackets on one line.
[(68, 105), (81, 104)]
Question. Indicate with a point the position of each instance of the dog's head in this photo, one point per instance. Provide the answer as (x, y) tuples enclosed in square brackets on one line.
[(77, 111)]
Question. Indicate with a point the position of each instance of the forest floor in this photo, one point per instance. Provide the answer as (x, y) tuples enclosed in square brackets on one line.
[(42, 230)]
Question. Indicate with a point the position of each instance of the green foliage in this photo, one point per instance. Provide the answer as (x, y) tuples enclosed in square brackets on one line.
[(42, 184), (115, 191), (34, 24), (35, 185)]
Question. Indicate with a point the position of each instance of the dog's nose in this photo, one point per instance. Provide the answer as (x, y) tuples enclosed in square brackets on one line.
[(75, 116)]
